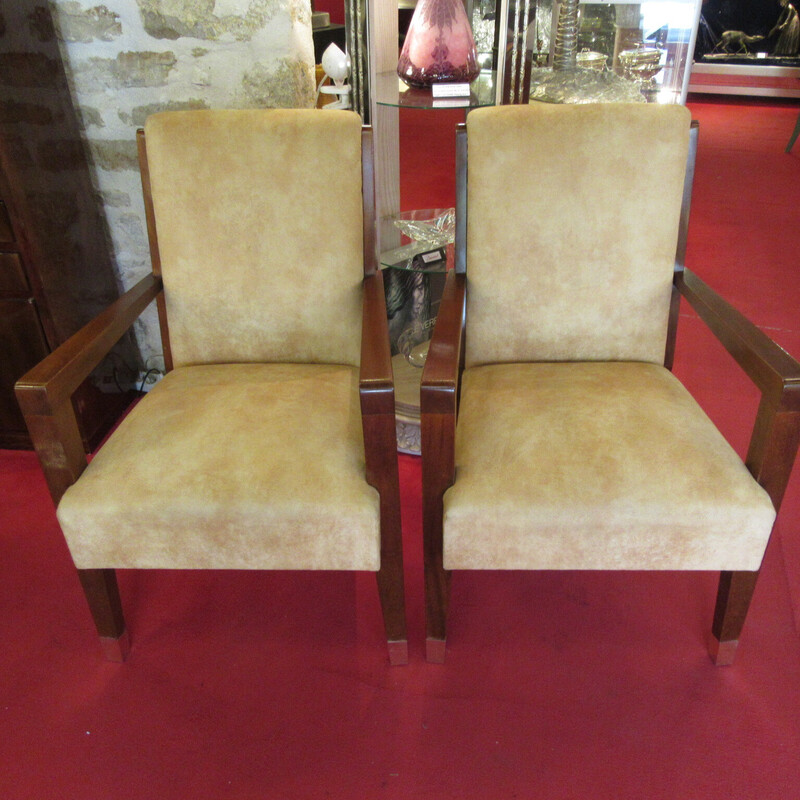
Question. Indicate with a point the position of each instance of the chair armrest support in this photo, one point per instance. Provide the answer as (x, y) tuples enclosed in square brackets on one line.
[(769, 366), (439, 394), (376, 383), (44, 393), (442, 373), (56, 377), (376, 391), (776, 435)]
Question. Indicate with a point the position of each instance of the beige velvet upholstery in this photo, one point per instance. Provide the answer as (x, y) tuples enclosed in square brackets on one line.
[(596, 466), (258, 213), (554, 436), (238, 466), (573, 221), (238, 458)]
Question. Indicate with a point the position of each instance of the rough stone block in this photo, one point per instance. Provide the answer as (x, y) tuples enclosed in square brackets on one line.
[(127, 70), (129, 228), (91, 116), (139, 114), (114, 154), (173, 19), (74, 23), (286, 86), (113, 198)]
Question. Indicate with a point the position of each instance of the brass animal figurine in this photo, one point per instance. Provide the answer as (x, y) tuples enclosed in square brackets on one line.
[(736, 42)]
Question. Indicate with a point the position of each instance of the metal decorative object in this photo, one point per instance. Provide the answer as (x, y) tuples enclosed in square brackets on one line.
[(566, 49), (356, 42), (787, 29), (736, 42), (519, 58), (589, 59), (569, 83), (641, 64), (783, 40)]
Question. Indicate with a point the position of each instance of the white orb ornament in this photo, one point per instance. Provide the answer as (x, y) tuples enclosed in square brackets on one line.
[(336, 63)]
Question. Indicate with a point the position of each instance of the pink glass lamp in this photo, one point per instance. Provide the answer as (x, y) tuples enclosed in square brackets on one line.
[(439, 46)]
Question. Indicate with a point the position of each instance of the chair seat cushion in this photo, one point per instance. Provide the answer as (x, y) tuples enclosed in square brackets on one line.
[(596, 466), (235, 466)]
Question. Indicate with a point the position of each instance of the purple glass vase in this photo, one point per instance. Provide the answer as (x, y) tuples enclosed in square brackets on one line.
[(439, 46)]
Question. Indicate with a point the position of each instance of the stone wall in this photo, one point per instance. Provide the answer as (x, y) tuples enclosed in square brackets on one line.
[(126, 59)]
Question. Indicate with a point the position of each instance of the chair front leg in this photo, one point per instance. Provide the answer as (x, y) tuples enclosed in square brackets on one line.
[(390, 590), (391, 580), (437, 432), (770, 458), (382, 472), (102, 594), (733, 600)]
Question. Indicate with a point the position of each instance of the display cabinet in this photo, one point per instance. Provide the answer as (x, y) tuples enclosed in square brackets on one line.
[(648, 44), (748, 48)]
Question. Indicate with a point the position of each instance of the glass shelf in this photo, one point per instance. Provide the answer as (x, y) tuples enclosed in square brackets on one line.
[(391, 91)]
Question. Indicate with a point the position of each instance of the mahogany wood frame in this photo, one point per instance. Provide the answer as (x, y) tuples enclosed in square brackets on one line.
[(773, 445), (45, 393)]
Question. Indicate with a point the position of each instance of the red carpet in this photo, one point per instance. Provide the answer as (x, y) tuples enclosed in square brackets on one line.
[(557, 685)]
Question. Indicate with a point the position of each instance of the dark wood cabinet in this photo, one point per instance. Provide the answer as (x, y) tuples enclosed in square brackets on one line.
[(22, 339), (23, 346), (56, 269)]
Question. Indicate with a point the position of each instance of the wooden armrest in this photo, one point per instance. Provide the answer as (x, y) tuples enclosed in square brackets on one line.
[(769, 366), (376, 383), (44, 393), (776, 434), (59, 374), (441, 375)]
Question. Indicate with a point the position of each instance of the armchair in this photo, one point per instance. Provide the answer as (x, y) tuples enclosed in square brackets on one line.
[(554, 435), (270, 442)]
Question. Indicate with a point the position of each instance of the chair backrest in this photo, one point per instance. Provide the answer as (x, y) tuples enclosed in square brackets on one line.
[(259, 222), (573, 217)]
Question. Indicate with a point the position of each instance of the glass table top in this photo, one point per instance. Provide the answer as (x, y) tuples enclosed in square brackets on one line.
[(391, 91)]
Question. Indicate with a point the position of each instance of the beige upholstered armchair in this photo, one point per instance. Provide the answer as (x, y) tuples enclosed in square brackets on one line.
[(270, 443), (554, 435)]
